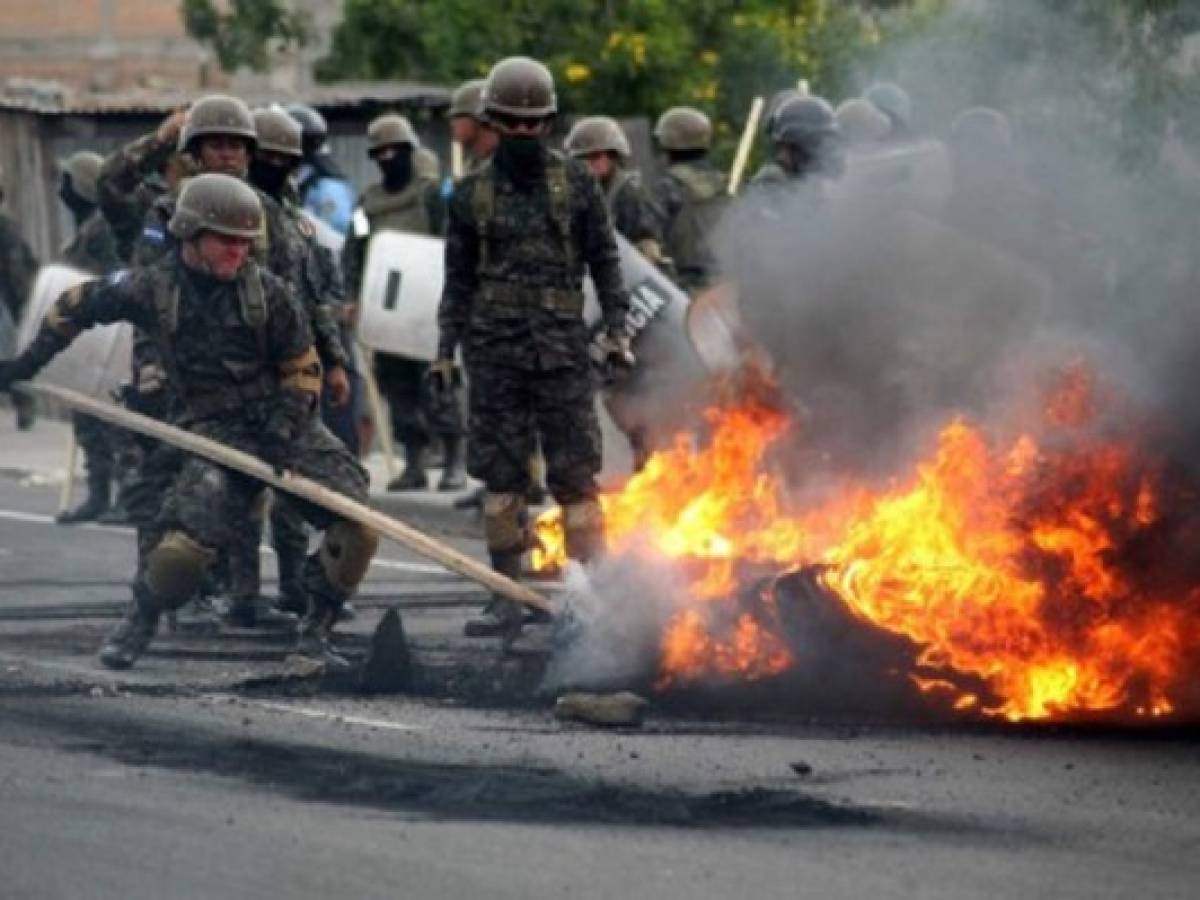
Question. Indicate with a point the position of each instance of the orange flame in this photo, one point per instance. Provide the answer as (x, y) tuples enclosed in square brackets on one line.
[(1011, 566)]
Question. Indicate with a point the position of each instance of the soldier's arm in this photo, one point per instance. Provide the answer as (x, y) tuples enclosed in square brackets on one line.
[(118, 185), (19, 269), (290, 347), (599, 246), (117, 298), (462, 278), (154, 241), (324, 295)]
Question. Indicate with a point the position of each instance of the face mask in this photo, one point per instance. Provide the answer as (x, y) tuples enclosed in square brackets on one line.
[(268, 178), (79, 207), (522, 151), (397, 169)]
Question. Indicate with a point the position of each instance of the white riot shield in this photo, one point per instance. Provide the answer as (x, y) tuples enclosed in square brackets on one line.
[(914, 176), (97, 361), (327, 236)]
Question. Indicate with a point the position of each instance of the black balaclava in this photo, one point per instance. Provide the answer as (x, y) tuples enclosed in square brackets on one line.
[(268, 177), (397, 168), (522, 158), (80, 208)]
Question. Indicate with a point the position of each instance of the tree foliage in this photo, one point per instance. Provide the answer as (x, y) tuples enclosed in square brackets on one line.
[(244, 32)]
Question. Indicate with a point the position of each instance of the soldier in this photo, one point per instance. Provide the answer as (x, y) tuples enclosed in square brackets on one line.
[(404, 201), (806, 148), (600, 142), (324, 189), (18, 268), (468, 125), (861, 123), (692, 195), (523, 227), (93, 249), (893, 101), (243, 365)]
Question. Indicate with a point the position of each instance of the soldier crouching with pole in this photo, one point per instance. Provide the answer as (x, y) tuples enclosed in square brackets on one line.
[(522, 227), (239, 352)]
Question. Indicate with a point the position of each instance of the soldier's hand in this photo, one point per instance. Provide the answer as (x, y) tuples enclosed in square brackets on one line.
[(612, 350), (168, 131), (443, 375), (338, 384)]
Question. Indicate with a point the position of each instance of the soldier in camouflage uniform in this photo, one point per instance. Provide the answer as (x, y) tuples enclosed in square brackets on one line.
[(600, 142), (806, 151), (18, 268), (691, 193), (405, 201), (243, 366), (93, 249), (895, 103), (468, 125), (523, 227)]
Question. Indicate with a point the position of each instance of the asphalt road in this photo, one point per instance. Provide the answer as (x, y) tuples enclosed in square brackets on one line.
[(203, 775)]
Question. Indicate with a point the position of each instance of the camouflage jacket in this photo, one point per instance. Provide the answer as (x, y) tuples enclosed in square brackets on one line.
[(239, 354), (417, 209), (515, 260), (129, 182), (633, 212), (18, 267), (287, 249), (94, 247), (692, 197)]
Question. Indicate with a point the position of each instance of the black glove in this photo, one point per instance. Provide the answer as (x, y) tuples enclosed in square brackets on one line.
[(443, 376)]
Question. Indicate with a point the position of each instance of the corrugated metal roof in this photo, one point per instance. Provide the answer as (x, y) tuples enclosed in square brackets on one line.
[(347, 95)]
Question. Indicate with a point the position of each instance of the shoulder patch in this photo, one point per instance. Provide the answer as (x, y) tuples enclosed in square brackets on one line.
[(154, 235)]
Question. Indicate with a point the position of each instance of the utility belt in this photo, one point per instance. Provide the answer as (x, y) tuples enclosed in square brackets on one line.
[(507, 295), (202, 406)]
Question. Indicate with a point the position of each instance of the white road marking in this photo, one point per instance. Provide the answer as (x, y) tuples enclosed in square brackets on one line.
[(13, 515), (308, 712)]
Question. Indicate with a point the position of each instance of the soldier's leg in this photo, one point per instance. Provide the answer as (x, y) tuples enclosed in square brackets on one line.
[(195, 520), (443, 413), (98, 462), (501, 427), (289, 538), (333, 572), (570, 432), (405, 385)]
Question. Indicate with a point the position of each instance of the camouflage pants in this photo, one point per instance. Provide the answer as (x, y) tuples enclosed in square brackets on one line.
[(511, 409), (98, 442), (289, 539), (418, 414)]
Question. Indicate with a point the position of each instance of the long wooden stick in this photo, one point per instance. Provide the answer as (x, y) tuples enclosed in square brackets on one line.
[(68, 485), (302, 487), (383, 422), (744, 146)]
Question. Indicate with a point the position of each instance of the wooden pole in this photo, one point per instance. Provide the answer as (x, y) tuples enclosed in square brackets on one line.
[(301, 487), (68, 485), (383, 422), (744, 146)]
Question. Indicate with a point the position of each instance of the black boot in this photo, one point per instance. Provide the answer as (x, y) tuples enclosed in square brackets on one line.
[(129, 639), (413, 478), (454, 475), (324, 609), (501, 617), (93, 505)]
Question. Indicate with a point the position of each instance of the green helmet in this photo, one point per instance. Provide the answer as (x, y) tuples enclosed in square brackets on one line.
[(468, 99), (388, 130), (520, 87), (278, 132), (803, 120), (217, 114), (683, 128), (891, 100), (218, 203), (597, 134), (861, 122), (83, 168)]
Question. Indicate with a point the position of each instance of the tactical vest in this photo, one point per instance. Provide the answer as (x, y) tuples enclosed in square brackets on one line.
[(253, 381), (705, 200), (495, 288), (404, 210)]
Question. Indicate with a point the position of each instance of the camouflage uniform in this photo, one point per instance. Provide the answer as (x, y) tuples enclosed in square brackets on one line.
[(129, 183), (18, 268), (633, 212), (243, 366), (515, 258), (417, 413), (692, 196)]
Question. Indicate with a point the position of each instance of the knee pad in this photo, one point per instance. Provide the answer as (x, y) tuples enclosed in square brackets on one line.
[(346, 553), (175, 567), (583, 529), (504, 522)]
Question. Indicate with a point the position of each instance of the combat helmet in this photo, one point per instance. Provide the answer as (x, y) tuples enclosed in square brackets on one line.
[(217, 114), (803, 120), (83, 169), (313, 127), (597, 134), (520, 87), (861, 122), (278, 132), (683, 128), (467, 100), (218, 203), (891, 100), (388, 130)]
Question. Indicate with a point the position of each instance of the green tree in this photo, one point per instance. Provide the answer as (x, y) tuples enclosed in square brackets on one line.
[(243, 32)]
